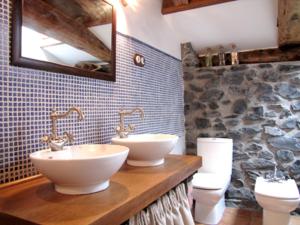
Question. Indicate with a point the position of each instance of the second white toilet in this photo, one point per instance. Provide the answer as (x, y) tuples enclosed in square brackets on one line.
[(212, 179), (277, 198)]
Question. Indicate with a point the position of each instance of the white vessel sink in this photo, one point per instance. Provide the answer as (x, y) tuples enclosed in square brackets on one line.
[(147, 149), (80, 169)]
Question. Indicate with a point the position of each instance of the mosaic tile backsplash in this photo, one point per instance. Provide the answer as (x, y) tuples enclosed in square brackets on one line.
[(27, 97)]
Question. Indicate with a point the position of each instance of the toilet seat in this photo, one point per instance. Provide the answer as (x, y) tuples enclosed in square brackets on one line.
[(282, 190), (208, 181), (277, 199), (208, 193)]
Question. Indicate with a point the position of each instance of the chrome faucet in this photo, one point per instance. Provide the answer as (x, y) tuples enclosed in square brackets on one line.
[(55, 142), (121, 130), (273, 177)]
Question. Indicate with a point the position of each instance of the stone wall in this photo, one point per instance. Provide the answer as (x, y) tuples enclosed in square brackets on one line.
[(258, 106)]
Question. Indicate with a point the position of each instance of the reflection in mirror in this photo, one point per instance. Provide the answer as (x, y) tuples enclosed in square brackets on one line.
[(73, 33)]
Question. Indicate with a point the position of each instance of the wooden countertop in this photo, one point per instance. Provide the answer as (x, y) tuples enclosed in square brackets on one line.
[(131, 190)]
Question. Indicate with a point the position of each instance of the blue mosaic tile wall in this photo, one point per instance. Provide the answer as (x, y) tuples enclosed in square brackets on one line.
[(27, 97)]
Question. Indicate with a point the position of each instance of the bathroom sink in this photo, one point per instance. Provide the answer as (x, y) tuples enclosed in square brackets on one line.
[(147, 149), (80, 169)]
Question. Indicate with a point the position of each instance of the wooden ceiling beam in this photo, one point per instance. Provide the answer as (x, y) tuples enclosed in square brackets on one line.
[(288, 23), (270, 55), (100, 12), (180, 2), (169, 6), (46, 19)]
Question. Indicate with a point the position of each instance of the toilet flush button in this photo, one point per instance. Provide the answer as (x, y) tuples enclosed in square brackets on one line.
[(285, 189)]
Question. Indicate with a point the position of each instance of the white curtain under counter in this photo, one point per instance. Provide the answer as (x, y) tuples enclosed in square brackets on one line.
[(170, 209)]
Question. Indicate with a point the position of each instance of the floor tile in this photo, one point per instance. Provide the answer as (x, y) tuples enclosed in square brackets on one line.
[(233, 216)]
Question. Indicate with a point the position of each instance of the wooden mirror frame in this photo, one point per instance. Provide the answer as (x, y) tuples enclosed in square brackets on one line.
[(18, 60)]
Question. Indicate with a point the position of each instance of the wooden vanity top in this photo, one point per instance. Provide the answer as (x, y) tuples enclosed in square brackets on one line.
[(131, 190)]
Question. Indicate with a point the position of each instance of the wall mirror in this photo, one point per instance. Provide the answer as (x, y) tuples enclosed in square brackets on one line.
[(75, 37)]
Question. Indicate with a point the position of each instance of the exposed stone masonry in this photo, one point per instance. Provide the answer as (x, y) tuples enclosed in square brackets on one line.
[(258, 106)]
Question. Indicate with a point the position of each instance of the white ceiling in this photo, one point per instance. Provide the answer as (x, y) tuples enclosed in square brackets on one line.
[(250, 24)]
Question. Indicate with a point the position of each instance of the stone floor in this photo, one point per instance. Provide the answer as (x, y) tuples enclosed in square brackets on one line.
[(234, 216)]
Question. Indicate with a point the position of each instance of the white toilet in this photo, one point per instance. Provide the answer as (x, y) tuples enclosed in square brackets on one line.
[(277, 199), (212, 179)]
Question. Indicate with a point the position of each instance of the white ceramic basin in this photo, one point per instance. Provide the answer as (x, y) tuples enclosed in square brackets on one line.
[(80, 169), (147, 149)]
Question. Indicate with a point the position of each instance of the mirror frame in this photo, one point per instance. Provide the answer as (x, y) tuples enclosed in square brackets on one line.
[(18, 60)]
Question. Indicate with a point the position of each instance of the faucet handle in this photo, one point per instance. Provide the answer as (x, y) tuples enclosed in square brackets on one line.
[(81, 116), (69, 137), (131, 127), (118, 130), (45, 139), (53, 111)]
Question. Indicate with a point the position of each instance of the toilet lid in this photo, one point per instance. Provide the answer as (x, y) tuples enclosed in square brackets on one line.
[(286, 189), (208, 181)]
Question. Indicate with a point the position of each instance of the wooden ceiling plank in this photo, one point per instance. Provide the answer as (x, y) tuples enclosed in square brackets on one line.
[(180, 2), (99, 11), (288, 23), (167, 4), (192, 4)]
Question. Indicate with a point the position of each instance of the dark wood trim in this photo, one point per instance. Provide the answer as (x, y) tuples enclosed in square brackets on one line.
[(168, 6), (18, 60)]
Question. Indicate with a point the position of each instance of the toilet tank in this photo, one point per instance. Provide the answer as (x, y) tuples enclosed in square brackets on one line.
[(216, 155)]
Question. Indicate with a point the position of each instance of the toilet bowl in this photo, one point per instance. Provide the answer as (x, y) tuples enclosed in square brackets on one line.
[(208, 192), (212, 179), (277, 199)]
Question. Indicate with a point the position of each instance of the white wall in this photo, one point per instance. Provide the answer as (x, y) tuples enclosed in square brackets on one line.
[(143, 20), (179, 149), (251, 24)]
